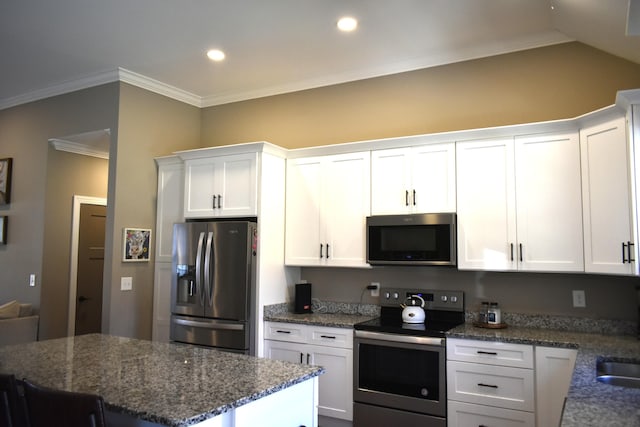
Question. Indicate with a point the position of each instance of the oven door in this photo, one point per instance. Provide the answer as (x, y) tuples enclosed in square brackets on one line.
[(401, 372)]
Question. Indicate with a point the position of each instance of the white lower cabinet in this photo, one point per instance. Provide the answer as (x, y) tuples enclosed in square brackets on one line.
[(470, 415), (554, 370), (331, 348), (503, 384)]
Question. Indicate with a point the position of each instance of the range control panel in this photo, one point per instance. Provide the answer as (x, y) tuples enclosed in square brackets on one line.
[(433, 299)]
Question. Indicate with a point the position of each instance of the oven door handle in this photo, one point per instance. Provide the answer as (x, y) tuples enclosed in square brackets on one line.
[(409, 339)]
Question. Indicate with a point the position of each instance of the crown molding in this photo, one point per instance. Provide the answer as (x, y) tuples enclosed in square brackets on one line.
[(158, 87), (98, 79), (76, 148), (61, 88)]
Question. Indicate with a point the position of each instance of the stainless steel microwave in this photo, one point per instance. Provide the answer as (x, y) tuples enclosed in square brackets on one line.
[(414, 239)]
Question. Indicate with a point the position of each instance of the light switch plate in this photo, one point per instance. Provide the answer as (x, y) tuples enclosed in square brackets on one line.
[(126, 283)]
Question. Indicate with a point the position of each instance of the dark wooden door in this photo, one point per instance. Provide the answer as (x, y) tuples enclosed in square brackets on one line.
[(90, 268)]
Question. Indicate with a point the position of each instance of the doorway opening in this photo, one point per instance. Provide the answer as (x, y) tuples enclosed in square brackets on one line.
[(87, 265)]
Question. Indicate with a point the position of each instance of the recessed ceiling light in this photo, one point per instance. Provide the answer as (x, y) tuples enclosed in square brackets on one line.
[(215, 55), (347, 24)]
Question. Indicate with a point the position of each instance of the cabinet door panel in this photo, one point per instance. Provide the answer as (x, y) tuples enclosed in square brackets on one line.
[(434, 178), (549, 202), (335, 385), (486, 204), (390, 181), (199, 187), (286, 351), (606, 197), (346, 204), (238, 186), (303, 212)]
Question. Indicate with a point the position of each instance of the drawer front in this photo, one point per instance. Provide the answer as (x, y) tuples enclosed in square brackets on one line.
[(469, 415), (490, 353), (332, 337), (290, 332), (504, 387)]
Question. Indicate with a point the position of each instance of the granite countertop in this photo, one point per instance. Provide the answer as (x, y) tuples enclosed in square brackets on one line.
[(324, 313), (162, 383), (589, 402)]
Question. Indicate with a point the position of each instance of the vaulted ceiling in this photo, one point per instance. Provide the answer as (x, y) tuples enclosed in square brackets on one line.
[(278, 46)]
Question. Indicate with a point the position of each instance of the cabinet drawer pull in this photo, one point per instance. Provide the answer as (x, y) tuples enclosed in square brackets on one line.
[(327, 336), (219, 201), (327, 251), (629, 245), (283, 332), (414, 197), (512, 252), (624, 258), (214, 201), (308, 355), (321, 245), (487, 385), (406, 197), (301, 355), (491, 353)]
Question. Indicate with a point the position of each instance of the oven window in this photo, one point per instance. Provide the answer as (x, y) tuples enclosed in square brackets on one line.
[(399, 371)]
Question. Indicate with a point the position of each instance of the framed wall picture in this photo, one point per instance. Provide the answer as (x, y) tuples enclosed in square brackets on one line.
[(5, 181), (3, 230), (136, 244)]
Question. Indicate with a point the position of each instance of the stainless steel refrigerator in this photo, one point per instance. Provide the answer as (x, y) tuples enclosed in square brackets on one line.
[(213, 284)]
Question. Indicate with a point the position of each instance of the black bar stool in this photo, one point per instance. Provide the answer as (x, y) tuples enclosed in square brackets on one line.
[(13, 411), (52, 408)]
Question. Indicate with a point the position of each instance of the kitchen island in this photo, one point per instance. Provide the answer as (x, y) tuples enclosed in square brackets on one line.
[(146, 383)]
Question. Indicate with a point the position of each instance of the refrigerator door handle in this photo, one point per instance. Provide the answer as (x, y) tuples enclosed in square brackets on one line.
[(210, 324), (207, 269), (199, 288)]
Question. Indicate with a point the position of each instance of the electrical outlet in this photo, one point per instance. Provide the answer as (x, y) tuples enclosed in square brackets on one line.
[(126, 283), (579, 299), (32, 280), (375, 292)]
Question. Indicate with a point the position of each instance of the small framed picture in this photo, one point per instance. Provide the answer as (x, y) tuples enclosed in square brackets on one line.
[(136, 244), (5, 181), (3, 230)]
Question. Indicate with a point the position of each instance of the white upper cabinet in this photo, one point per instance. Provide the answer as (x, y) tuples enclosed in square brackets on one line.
[(519, 204), (221, 186), (327, 201), (609, 246), (486, 205), (417, 179), (549, 202)]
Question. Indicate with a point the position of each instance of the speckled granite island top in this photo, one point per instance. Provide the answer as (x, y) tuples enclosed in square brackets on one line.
[(589, 403), (157, 382)]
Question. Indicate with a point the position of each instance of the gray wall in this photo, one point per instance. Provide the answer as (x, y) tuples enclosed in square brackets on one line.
[(68, 174), (149, 126), (608, 297), (24, 134)]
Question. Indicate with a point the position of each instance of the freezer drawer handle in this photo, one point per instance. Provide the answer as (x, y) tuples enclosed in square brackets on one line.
[(327, 336), (196, 324), (283, 332)]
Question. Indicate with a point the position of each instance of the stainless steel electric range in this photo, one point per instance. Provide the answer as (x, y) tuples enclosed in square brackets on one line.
[(400, 368)]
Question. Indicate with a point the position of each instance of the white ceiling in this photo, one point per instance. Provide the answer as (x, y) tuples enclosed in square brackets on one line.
[(275, 46)]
